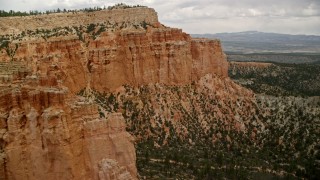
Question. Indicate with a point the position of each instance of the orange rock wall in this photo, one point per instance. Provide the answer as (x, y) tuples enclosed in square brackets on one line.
[(47, 134), (157, 55)]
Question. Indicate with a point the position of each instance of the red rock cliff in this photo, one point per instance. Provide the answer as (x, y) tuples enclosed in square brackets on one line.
[(118, 56), (47, 134), (46, 131)]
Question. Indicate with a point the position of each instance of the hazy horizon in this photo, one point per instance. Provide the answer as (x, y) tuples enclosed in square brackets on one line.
[(235, 32)]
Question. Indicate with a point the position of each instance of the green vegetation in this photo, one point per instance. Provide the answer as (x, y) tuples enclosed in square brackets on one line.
[(11, 51), (10, 48), (4, 42), (279, 79), (90, 28), (17, 13), (13, 13), (144, 24), (281, 133), (93, 30), (123, 6), (292, 58), (84, 33)]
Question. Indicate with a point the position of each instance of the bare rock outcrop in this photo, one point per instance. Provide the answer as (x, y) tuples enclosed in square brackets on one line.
[(122, 54), (45, 133)]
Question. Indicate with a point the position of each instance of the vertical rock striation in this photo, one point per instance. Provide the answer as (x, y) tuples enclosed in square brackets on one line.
[(47, 135), (157, 55), (46, 131)]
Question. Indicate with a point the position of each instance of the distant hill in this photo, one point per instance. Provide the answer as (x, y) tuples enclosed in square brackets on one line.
[(260, 42)]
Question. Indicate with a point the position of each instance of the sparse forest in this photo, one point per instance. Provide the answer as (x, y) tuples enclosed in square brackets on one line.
[(280, 141), (279, 79), (13, 13)]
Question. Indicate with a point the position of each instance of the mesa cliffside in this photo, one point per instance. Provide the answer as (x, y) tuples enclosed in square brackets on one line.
[(113, 52), (47, 131)]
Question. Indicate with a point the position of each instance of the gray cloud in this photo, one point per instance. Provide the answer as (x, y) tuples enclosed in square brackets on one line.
[(209, 16)]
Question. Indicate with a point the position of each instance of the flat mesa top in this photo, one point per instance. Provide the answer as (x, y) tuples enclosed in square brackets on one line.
[(15, 25)]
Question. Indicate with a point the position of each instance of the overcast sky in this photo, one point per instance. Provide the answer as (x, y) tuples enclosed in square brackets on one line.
[(208, 16)]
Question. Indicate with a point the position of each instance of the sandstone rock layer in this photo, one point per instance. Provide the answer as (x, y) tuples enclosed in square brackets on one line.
[(46, 131), (116, 57), (47, 134)]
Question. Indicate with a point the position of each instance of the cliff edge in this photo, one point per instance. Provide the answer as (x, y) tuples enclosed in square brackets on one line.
[(107, 49), (47, 131)]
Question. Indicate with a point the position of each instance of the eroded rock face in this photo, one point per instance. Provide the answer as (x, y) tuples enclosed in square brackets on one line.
[(47, 134), (166, 56), (121, 55)]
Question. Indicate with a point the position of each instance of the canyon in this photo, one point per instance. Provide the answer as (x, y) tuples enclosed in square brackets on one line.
[(47, 130), (114, 94)]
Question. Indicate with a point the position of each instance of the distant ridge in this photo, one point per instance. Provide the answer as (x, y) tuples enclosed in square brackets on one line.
[(262, 42)]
